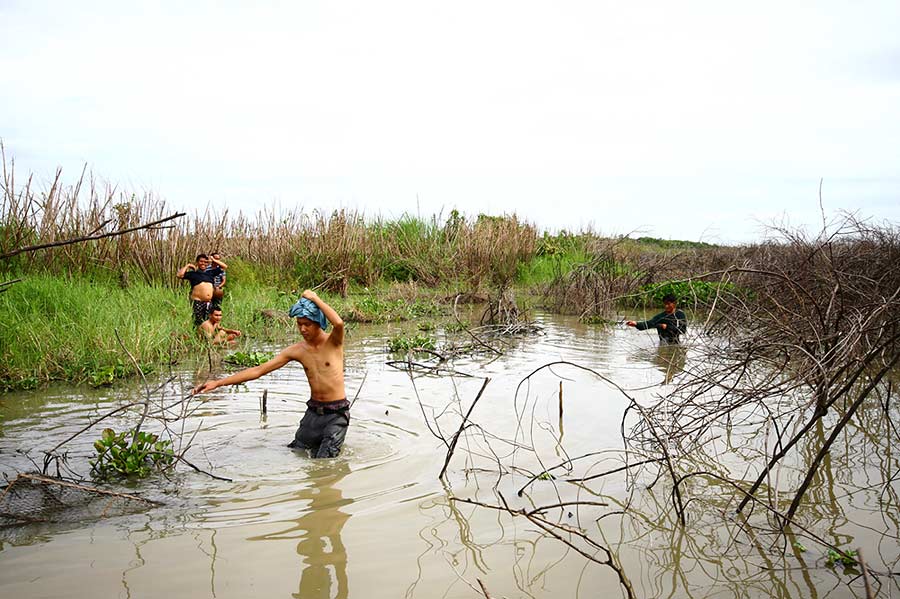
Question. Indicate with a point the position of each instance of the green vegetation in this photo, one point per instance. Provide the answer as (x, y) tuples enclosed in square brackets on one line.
[(62, 325), (253, 358), (555, 255), (687, 292), (60, 322), (455, 327), (405, 343), (673, 243), (845, 558), (130, 454), (370, 308), (55, 328), (106, 375)]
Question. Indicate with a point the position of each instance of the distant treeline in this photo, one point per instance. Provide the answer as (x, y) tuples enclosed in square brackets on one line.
[(675, 243)]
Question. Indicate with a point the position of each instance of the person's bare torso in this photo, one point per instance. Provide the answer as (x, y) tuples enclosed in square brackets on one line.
[(216, 333), (324, 366), (202, 292)]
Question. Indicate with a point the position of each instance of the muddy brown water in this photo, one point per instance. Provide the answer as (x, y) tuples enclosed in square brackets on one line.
[(377, 522)]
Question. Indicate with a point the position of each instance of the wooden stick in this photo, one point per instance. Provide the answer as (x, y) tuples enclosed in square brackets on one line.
[(62, 483), (32, 248), (462, 426), (363, 382), (262, 402), (201, 471), (6, 284)]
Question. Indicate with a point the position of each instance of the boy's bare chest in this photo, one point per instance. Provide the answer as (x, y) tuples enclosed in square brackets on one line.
[(322, 360)]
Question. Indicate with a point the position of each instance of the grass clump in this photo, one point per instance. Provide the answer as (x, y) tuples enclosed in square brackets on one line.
[(375, 309), (405, 343), (253, 358)]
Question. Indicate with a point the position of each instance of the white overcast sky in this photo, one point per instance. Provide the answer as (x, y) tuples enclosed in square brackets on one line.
[(683, 120)]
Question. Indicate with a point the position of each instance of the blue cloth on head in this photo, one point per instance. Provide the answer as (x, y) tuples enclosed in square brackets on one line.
[(306, 308)]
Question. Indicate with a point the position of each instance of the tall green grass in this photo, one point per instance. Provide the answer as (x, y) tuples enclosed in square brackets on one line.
[(55, 328), (292, 249)]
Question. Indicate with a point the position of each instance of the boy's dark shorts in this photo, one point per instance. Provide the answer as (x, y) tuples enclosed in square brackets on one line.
[(323, 428)]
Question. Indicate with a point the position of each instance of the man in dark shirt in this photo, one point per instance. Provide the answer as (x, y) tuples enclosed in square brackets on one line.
[(201, 281), (670, 324)]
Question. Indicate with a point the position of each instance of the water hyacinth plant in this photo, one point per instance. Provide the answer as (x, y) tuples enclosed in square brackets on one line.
[(130, 454)]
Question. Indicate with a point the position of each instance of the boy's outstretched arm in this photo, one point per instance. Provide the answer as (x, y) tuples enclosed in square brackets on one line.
[(248, 374)]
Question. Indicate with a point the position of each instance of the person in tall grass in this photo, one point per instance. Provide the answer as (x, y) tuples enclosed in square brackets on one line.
[(324, 425), (670, 324), (217, 268), (213, 330), (201, 281)]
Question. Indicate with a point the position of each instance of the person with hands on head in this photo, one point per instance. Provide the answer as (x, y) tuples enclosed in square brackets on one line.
[(670, 324), (201, 281), (217, 268), (324, 425)]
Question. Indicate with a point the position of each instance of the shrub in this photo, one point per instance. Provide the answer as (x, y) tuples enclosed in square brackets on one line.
[(693, 291)]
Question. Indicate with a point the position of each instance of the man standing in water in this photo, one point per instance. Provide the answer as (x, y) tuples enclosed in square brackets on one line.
[(669, 324), (324, 426)]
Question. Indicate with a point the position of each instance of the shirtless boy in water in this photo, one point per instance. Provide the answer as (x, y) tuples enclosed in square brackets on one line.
[(324, 426), (213, 330)]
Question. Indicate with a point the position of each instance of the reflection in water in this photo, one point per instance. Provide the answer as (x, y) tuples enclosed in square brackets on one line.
[(459, 549), (324, 557), (670, 359), (470, 541)]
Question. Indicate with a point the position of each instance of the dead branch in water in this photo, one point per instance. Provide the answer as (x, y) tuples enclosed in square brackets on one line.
[(462, 426), (800, 352), (803, 352), (64, 483)]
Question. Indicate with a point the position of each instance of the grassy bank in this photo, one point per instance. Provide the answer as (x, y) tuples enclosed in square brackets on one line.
[(64, 328), (60, 322), (57, 328)]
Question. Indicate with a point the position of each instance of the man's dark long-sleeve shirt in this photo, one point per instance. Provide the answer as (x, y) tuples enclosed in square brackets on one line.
[(676, 324)]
